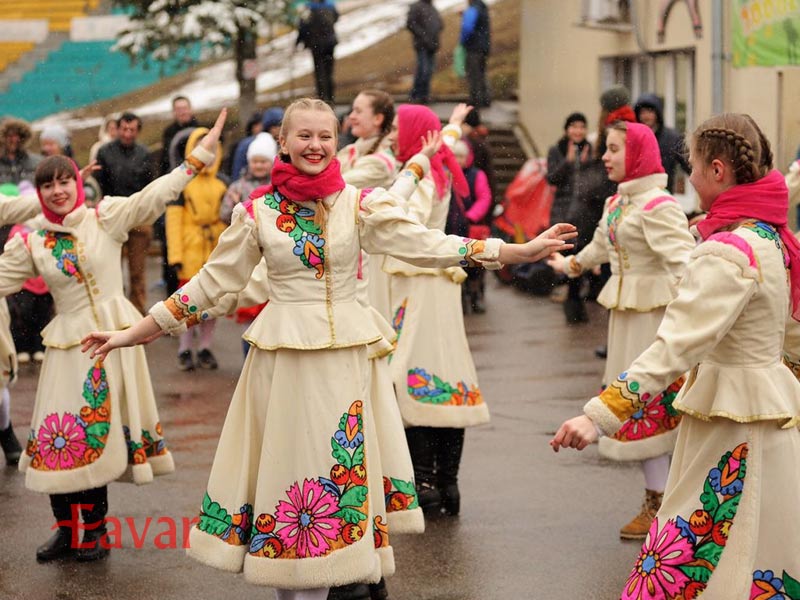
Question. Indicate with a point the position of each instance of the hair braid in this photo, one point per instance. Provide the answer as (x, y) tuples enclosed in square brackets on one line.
[(740, 152)]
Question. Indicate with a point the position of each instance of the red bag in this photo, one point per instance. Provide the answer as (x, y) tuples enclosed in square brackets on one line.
[(528, 199)]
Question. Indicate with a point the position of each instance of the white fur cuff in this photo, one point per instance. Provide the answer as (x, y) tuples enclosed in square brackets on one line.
[(601, 416)]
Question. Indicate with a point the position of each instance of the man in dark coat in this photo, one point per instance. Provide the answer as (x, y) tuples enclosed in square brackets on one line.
[(126, 168), (316, 33), (425, 25), (650, 111), (476, 39)]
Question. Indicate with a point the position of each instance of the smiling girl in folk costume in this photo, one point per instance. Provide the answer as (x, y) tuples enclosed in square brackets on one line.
[(729, 526), (644, 235), (295, 496), (432, 368), (93, 420), (13, 209)]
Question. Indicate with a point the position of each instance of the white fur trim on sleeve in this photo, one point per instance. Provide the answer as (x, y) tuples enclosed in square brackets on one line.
[(601, 416), (166, 321)]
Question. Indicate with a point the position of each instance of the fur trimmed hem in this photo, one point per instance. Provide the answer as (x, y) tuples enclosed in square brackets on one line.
[(140, 474), (602, 417), (650, 447), (111, 466), (387, 560), (354, 564), (406, 521), (214, 552), (416, 414), (163, 464)]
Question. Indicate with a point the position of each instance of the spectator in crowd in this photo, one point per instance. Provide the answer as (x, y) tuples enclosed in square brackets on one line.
[(260, 155), (54, 140), (193, 228), (565, 161), (476, 134), (271, 124), (251, 128), (317, 34), (650, 111), (426, 26), (183, 118), (126, 168), (467, 217), (107, 133), (476, 40), (16, 163)]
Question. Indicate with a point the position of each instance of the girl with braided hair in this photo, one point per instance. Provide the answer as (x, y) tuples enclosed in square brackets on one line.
[(729, 526), (645, 237)]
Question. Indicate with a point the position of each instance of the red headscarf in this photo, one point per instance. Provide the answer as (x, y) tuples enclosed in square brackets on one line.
[(765, 200), (413, 122), (623, 113), (301, 187), (642, 156), (81, 196)]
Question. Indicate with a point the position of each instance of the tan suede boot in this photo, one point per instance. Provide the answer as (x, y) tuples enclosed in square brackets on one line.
[(637, 529)]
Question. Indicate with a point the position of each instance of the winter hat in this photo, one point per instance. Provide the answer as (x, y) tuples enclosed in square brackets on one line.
[(272, 116), (263, 145), (615, 97), (57, 133), (574, 118)]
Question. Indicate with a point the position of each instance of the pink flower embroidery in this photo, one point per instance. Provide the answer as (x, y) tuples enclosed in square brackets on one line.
[(645, 421), (309, 518), (656, 574), (61, 443)]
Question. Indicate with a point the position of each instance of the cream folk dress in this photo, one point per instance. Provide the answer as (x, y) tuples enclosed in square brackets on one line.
[(93, 420), (432, 367), (729, 525), (295, 497), (645, 237)]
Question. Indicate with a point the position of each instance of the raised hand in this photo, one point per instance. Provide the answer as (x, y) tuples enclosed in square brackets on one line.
[(431, 142), (210, 140), (577, 433), (460, 113), (87, 171)]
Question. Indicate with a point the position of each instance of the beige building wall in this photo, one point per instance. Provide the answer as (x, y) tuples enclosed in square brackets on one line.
[(562, 70)]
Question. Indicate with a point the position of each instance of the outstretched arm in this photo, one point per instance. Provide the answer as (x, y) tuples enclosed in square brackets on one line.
[(100, 343)]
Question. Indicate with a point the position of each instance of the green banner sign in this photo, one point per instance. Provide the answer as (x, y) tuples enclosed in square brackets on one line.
[(765, 33)]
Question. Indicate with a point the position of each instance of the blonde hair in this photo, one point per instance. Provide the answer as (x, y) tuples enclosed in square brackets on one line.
[(308, 104), (737, 139)]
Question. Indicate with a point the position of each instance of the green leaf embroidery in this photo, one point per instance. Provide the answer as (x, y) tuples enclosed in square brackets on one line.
[(709, 498), (727, 510), (355, 496), (95, 401), (307, 226), (696, 573), (358, 456), (709, 551), (94, 442), (404, 487), (341, 455), (351, 515), (98, 429), (791, 587), (214, 519)]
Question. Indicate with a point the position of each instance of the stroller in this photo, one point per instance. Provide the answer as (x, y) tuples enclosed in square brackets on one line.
[(524, 214)]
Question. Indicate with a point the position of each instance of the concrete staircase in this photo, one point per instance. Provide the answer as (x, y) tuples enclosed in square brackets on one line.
[(508, 156), (28, 61)]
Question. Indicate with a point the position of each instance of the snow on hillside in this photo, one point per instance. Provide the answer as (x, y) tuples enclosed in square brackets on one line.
[(362, 24)]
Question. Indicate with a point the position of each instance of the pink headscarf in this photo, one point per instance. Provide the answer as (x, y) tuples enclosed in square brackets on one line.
[(642, 156), (81, 196), (413, 122), (766, 199)]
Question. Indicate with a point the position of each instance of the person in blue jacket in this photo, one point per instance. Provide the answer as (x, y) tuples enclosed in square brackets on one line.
[(476, 40)]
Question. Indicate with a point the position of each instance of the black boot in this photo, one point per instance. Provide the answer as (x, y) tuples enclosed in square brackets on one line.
[(475, 287), (575, 311), (421, 447), (378, 591), (450, 444), (58, 546), (10, 445), (93, 546), (61, 543), (351, 591)]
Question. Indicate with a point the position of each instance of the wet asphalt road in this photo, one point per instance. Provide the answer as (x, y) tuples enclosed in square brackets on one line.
[(534, 524)]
